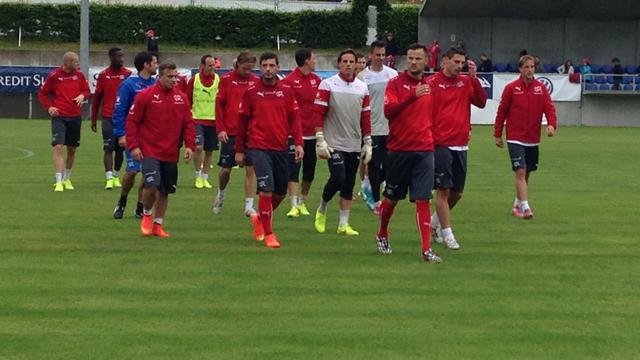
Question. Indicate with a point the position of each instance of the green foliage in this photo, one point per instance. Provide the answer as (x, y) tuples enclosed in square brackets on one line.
[(403, 21), (187, 25)]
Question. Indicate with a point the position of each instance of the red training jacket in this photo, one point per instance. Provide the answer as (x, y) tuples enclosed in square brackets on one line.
[(61, 88), (230, 92), (107, 85), (268, 114), (452, 99), (158, 122), (305, 88), (522, 107), (409, 116)]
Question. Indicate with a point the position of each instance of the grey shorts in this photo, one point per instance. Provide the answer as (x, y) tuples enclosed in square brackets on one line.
[(409, 171), (450, 169), (228, 154), (272, 170), (523, 157), (66, 131), (207, 137), (160, 174), (109, 141)]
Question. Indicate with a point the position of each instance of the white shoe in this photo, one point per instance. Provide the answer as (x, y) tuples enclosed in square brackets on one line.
[(217, 205), (436, 234), (451, 242)]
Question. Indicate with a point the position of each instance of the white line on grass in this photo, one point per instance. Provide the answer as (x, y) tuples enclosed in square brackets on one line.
[(26, 153)]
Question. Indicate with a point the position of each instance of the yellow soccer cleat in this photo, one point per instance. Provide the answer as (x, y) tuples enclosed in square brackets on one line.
[(109, 184), (293, 212), (67, 184), (58, 187), (206, 184), (321, 222), (302, 209), (199, 184), (347, 230), (116, 182)]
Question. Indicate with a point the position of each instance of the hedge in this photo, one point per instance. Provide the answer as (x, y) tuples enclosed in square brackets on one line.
[(122, 24)]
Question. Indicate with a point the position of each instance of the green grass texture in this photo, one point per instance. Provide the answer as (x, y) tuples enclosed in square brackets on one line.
[(77, 284)]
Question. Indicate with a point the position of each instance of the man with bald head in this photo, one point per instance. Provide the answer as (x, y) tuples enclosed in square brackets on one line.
[(62, 95)]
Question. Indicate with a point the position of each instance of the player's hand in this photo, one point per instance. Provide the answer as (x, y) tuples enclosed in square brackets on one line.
[(223, 137), (473, 68), (136, 154), (469, 135), (499, 142), (188, 154), (422, 89), (53, 111), (367, 150), (94, 128), (299, 153), (323, 150), (122, 141), (79, 99), (551, 131), (240, 159)]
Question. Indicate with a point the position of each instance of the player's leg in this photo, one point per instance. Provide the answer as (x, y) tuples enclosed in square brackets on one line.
[(210, 144), (375, 168), (128, 180), (58, 133), (351, 165), (519, 167), (337, 175), (531, 164), (168, 185), (396, 183), (443, 184), (72, 142), (420, 184), (117, 164), (197, 155), (226, 163), (152, 183), (107, 147), (459, 172), (308, 174), (293, 175)]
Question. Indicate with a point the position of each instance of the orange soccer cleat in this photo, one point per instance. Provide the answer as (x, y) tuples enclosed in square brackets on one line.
[(271, 241), (258, 229), (158, 231), (146, 225)]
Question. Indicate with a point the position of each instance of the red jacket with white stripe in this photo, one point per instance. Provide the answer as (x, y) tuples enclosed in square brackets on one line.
[(61, 88), (521, 107)]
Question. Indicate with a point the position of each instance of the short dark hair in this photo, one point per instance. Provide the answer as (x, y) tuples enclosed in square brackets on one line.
[(416, 46), (302, 55), (268, 56), (113, 51), (377, 44), (166, 65), (142, 58), (203, 59), (345, 52), (359, 56), (245, 56), (454, 50)]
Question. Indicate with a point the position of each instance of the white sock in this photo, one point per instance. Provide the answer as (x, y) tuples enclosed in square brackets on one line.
[(67, 174), (204, 176), (301, 199), (147, 212), (524, 205), (58, 177), (516, 202), (248, 205), (323, 207), (220, 193), (115, 173), (435, 220), (447, 232), (158, 220), (294, 201), (344, 217), (108, 174), (199, 173)]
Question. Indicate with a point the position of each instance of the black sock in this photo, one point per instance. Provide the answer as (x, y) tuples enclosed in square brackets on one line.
[(123, 200)]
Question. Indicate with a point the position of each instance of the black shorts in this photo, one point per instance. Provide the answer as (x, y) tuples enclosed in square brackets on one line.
[(309, 160), (228, 154), (161, 174), (207, 137), (523, 157), (294, 167), (409, 171), (450, 169), (343, 167), (66, 131), (272, 170), (109, 141)]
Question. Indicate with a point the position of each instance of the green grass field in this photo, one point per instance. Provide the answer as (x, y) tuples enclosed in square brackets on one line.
[(76, 284)]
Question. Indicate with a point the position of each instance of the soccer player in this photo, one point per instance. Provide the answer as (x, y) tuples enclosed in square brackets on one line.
[(408, 104), (202, 90), (342, 103), (361, 63), (305, 86), (62, 95), (230, 92), (268, 115), (146, 64), (107, 85), (523, 103), (158, 123), (453, 94), (376, 76)]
